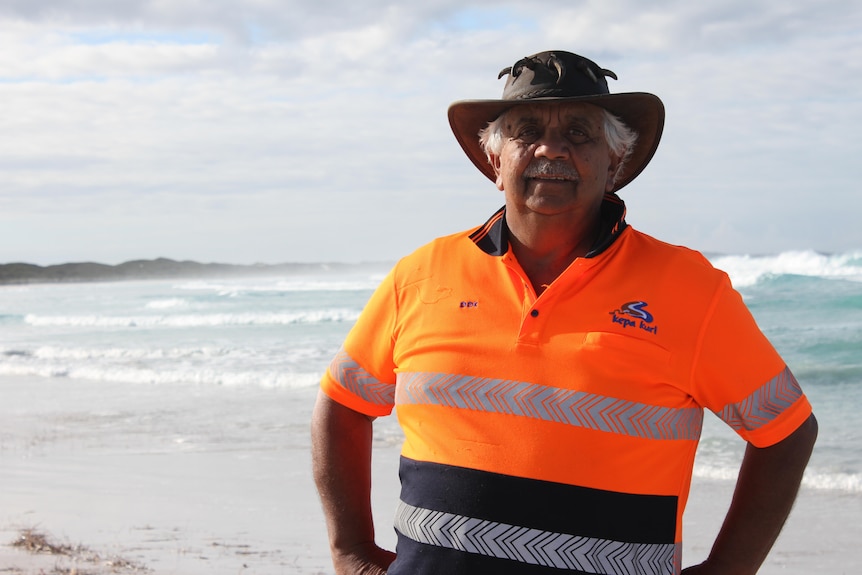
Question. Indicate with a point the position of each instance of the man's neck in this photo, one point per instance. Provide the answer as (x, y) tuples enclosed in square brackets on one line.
[(546, 245)]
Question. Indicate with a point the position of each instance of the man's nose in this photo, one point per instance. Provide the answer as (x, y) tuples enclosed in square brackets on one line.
[(552, 145)]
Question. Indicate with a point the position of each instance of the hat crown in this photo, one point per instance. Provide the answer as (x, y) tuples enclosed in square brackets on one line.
[(554, 74)]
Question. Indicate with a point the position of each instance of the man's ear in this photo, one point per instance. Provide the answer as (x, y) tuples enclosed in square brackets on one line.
[(494, 160)]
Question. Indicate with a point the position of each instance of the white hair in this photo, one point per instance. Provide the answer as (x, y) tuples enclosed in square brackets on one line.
[(620, 138)]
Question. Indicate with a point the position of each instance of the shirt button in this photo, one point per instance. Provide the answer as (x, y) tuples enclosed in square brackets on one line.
[(534, 313)]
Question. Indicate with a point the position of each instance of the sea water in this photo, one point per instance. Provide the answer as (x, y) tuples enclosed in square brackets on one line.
[(265, 333)]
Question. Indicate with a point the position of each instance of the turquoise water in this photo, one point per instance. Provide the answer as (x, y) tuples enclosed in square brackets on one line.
[(281, 332), (810, 307)]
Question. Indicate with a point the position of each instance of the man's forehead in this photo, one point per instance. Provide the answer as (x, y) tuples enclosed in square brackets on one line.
[(562, 110)]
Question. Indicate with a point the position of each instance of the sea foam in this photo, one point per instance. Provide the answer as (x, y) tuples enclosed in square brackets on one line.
[(747, 270), (194, 320)]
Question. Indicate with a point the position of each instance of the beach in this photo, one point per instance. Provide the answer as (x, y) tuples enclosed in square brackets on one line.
[(163, 426), (138, 476), (94, 465)]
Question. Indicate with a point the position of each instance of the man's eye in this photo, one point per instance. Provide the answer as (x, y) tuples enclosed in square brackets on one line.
[(528, 134), (578, 136)]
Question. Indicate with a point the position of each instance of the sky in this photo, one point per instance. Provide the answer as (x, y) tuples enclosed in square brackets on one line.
[(272, 131)]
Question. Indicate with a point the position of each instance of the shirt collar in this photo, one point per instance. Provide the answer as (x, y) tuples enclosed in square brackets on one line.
[(493, 236)]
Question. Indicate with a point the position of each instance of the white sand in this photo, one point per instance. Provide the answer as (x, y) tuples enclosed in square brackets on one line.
[(217, 481)]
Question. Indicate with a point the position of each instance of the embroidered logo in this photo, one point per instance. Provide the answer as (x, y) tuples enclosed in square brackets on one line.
[(469, 304), (633, 314)]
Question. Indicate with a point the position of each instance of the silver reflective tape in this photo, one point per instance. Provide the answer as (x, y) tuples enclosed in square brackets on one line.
[(764, 405), (587, 410), (358, 381), (534, 546)]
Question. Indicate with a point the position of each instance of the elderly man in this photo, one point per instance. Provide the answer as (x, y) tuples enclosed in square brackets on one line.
[(550, 368)]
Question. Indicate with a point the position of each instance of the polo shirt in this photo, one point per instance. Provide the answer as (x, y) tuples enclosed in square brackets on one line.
[(556, 433)]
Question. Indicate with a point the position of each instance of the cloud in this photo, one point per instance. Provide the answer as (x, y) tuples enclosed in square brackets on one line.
[(321, 126)]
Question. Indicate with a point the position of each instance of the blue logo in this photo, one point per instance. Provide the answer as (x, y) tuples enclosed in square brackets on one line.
[(633, 314), (636, 309)]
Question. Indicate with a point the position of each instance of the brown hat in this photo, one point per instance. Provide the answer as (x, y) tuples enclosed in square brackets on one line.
[(555, 77)]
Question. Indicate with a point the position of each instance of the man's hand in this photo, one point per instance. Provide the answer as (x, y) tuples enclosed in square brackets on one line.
[(364, 559), (702, 569)]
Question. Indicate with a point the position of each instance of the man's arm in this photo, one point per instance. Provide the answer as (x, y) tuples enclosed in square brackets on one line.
[(341, 461), (765, 491)]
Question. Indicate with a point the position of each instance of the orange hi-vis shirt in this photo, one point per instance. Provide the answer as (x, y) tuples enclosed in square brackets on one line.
[(556, 432)]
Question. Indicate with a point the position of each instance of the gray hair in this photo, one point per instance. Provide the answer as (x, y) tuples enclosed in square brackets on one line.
[(620, 138)]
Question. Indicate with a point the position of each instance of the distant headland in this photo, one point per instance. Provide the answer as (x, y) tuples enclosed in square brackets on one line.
[(160, 268)]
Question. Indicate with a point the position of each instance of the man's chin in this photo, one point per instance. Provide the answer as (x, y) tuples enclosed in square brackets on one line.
[(550, 204), (551, 185)]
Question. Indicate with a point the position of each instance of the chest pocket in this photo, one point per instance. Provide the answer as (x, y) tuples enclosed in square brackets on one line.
[(612, 363)]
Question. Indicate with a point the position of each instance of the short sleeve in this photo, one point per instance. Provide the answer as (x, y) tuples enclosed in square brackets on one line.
[(361, 376), (740, 376)]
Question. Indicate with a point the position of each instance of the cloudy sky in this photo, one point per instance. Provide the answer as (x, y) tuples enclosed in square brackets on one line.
[(296, 130)]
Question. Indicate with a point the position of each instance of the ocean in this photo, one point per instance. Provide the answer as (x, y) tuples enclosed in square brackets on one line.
[(281, 332), (196, 366)]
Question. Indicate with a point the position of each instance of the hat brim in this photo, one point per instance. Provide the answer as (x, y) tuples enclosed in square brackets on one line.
[(640, 111)]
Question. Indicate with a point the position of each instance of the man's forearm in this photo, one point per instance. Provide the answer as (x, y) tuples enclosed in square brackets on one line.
[(768, 482), (341, 463)]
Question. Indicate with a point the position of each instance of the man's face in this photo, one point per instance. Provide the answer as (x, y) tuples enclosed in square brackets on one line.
[(554, 158)]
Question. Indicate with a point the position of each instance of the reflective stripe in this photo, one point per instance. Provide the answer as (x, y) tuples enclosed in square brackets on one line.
[(764, 405), (358, 381), (597, 412), (534, 546)]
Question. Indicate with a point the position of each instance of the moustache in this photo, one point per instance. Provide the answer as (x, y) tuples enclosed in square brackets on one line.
[(552, 169)]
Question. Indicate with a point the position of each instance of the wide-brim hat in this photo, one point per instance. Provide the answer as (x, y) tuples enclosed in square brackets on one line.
[(554, 77)]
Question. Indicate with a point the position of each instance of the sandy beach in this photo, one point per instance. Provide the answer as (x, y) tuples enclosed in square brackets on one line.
[(76, 465), (217, 481), (170, 481)]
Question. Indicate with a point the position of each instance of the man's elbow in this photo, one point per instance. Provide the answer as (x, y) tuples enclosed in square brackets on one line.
[(806, 434), (798, 445)]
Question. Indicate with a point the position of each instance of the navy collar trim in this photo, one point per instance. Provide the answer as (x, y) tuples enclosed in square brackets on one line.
[(493, 236)]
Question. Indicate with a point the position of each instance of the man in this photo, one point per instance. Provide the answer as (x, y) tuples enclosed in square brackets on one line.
[(550, 368)]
